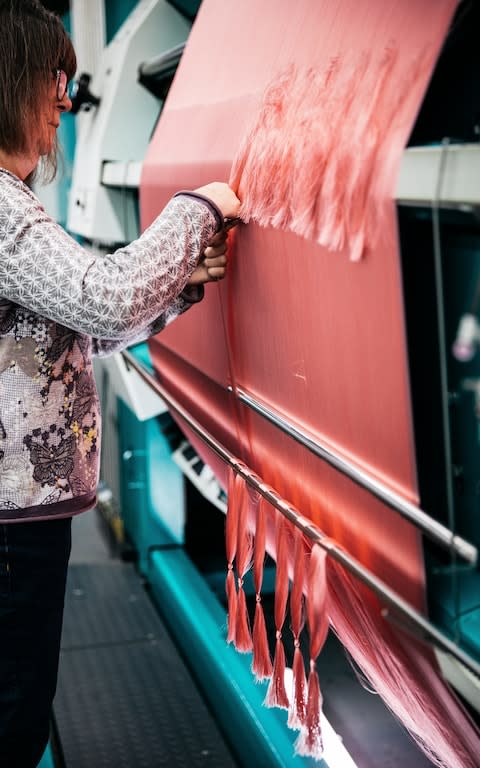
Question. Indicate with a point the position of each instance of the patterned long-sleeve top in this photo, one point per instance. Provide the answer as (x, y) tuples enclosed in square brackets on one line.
[(59, 305)]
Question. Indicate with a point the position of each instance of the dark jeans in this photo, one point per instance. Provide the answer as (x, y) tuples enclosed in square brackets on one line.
[(33, 568)]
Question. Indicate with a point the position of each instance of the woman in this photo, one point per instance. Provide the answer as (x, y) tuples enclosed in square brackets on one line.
[(60, 305)]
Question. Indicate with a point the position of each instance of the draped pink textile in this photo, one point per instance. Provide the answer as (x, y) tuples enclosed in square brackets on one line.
[(320, 339), (298, 323)]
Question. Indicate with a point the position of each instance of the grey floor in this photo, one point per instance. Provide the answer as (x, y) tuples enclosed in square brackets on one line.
[(125, 696), (89, 540)]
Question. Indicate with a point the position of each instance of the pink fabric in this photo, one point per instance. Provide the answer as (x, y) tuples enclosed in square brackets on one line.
[(307, 136), (296, 323), (318, 338)]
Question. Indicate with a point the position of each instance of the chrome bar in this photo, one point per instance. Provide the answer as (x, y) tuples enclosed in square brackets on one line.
[(413, 619), (430, 527)]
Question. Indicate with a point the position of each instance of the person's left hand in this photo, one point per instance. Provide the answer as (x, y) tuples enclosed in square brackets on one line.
[(213, 263)]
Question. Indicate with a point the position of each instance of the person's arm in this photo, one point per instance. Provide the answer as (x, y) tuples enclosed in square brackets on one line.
[(116, 296), (188, 297), (211, 267)]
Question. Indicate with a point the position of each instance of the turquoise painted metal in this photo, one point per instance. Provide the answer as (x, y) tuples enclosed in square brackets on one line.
[(116, 11), (151, 484), (66, 139), (258, 736), (47, 759)]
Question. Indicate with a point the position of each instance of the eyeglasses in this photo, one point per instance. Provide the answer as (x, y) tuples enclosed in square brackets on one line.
[(62, 83)]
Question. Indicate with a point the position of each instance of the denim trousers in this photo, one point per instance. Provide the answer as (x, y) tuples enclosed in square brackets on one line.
[(33, 568)]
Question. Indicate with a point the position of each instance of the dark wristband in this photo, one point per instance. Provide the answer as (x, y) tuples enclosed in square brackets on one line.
[(193, 294)]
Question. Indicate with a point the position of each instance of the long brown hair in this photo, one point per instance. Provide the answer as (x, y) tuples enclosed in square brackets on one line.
[(33, 44)]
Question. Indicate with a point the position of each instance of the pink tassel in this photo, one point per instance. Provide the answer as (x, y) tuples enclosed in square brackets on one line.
[(297, 715), (231, 528), (243, 638), (231, 604), (276, 693), (317, 601), (261, 662), (260, 538), (309, 742)]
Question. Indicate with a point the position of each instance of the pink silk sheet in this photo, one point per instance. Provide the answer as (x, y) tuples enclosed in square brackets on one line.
[(298, 324), (319, 338)]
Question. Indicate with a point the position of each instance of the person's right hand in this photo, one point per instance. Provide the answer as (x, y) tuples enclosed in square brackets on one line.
[(223, 197)]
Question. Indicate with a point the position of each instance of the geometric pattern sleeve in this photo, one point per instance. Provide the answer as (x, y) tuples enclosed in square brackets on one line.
[(116, 297), (191, 295)]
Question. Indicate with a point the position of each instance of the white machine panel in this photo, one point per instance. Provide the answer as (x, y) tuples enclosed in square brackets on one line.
[(118, 130)]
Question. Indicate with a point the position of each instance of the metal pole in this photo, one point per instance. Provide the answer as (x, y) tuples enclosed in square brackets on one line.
[(430, 527), (412, 617)]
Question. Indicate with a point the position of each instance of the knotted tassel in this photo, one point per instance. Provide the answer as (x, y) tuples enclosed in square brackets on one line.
[(261, 662), (276, 693), (297, 712), (231, 531), (309, 742), (243, 638)]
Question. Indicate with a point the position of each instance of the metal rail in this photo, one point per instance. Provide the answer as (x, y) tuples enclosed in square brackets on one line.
[(412, 618), (430, 527)]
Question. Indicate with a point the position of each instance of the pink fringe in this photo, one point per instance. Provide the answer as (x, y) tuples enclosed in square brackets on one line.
[(231, 603), (243, 637), (297, 713), (231, 529), (261, 662), (276, 694), (400, 669), (317, 600), (310, 743), (296, 598), (326, 139), (403, 674), (260, 540)]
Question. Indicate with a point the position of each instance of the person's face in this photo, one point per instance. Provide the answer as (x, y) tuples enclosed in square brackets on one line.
[(56, 102)]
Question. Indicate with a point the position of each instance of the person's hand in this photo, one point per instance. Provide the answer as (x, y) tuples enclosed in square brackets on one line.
[(213, 263), (223, 197)]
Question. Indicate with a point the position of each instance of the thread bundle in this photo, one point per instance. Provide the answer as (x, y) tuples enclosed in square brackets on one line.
[(318, 158), (401, 670)]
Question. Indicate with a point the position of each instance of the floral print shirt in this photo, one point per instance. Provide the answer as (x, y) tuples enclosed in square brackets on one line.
[(59, 305)]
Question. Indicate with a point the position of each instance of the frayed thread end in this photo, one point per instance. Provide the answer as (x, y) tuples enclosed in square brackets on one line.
[(276, 694), (231, 603), (297, 714), (310, 743), (261, 663), (243, 637)]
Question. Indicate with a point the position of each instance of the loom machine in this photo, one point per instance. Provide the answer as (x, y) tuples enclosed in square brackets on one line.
[(344, 391)]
